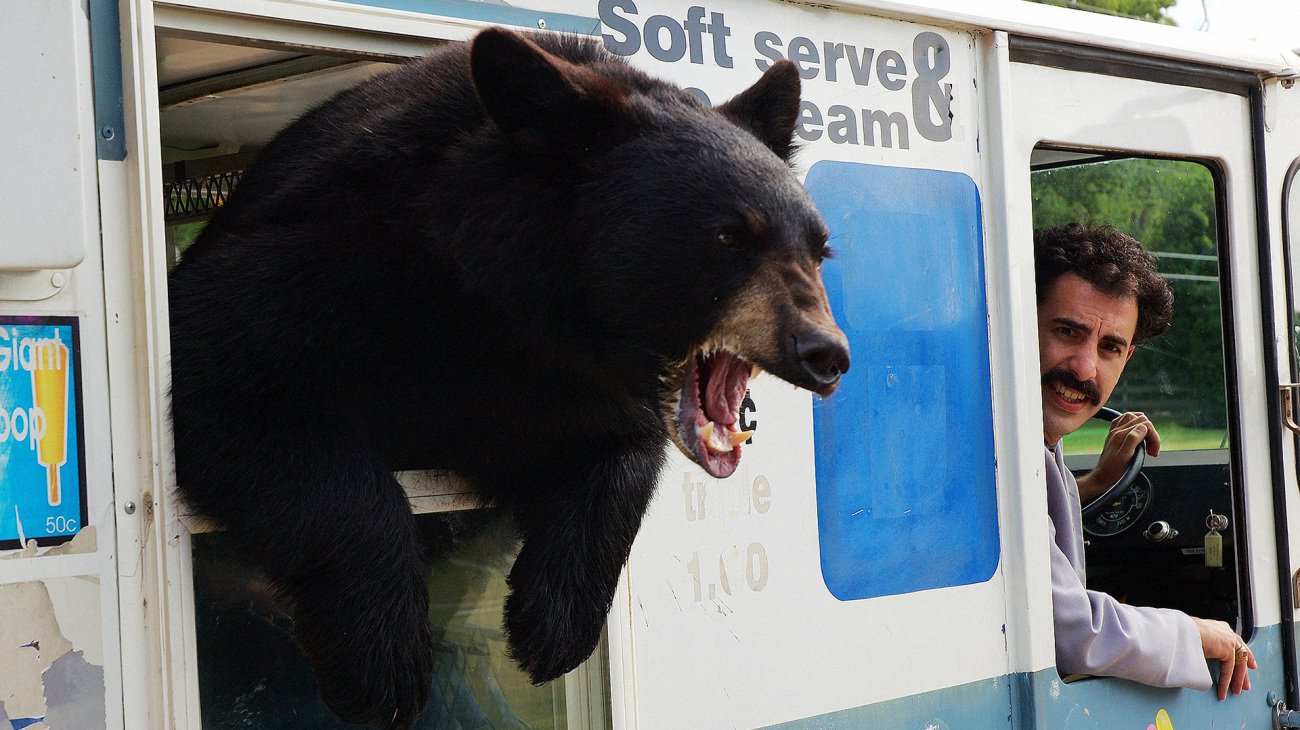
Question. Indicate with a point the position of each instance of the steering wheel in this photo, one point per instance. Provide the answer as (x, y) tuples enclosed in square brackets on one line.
[(1125, 480)]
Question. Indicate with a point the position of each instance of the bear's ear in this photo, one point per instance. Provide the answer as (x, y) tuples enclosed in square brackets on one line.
[(769, 108), (540, 102)]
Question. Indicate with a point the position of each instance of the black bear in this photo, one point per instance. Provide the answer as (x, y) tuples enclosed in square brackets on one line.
[(519, 259)]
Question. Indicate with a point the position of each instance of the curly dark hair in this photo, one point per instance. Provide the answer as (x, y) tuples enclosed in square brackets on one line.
[(1110, 260)]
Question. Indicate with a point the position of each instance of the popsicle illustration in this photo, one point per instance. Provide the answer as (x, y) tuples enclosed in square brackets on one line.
[(50, 395)]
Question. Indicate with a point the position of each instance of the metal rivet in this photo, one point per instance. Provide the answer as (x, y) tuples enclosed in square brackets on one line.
[(129, 508), (541, 23), (107, 132)]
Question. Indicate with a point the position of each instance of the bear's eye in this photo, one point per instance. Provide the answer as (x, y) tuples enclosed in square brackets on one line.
[(728, 237), (821, 246)]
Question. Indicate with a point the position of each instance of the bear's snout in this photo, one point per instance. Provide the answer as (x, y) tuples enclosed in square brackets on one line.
[(824, 356)]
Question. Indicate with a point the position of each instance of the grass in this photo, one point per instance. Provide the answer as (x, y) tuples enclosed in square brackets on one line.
[(1173, 437)]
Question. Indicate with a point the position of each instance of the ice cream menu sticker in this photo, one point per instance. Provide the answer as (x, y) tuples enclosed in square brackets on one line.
[(42, 473)]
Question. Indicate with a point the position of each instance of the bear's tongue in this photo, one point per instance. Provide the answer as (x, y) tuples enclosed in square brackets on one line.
[(728, 378)]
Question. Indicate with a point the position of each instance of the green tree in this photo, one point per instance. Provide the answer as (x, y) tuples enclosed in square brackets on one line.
[(1150, 10)]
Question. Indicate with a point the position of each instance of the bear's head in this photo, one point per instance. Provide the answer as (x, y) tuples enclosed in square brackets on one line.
[(701, 247)]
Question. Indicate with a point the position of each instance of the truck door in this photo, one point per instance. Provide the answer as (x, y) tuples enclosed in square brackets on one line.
[(1167, 152)]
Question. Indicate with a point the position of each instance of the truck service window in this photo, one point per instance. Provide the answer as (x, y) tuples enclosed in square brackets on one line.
[(251, 673)]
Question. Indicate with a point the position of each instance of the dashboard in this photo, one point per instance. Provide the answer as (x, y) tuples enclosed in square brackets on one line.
[(1149, 546)]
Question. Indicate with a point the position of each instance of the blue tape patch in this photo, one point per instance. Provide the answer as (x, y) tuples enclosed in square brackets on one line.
[(489, 12), (906, 498)]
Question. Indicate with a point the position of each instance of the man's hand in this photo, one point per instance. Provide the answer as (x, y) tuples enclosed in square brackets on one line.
[(1126, 432), (1219, 641)]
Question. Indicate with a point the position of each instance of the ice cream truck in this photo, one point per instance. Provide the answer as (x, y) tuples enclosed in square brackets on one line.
[(881, 558)]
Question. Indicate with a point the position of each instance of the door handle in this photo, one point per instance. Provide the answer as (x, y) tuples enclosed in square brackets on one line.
[(1282, 717), (1290, 395)]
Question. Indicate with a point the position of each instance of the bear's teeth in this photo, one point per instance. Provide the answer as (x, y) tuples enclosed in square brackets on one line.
[(719, 440), (755, 372), (706, 433)]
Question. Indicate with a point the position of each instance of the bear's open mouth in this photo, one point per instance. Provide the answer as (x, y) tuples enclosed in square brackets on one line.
[(708, 410)]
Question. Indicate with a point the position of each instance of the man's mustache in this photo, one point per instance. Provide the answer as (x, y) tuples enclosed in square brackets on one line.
[(1088, 388)]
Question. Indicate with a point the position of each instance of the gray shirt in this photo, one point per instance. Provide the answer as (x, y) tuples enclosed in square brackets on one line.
[(1096, 634)]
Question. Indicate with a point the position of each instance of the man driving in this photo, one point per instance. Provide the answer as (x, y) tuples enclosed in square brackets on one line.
[(1099, 295)]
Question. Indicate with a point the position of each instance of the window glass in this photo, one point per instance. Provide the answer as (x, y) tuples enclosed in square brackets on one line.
[(1168, 205), (252, 674)]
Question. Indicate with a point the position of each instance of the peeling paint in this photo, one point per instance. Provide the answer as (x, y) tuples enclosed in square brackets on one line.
[(74, 693), (83, 543), (51, 654)]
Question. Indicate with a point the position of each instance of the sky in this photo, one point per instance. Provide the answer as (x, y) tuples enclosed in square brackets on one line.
[(1275, 22)]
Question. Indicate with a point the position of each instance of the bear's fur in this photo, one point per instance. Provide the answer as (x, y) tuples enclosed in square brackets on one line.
[(519, 259)]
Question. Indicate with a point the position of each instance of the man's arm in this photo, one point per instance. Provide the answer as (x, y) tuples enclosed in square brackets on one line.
[(1126, 432), (1095, 634)]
